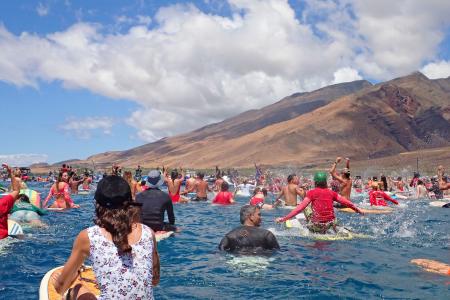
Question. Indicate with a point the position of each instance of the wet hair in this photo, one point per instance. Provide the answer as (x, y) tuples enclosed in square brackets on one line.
[(24, 198), (143, 182), (264, 191), (224, 186), (246, 211), (201, 175), (375, 178), (58, 180), (419, 182), (290, 177), (256, 190), (174, 175), (118, 222), (399, 178), (385, 185)]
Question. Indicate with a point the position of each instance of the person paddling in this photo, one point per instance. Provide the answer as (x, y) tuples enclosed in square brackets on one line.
[(321, 199)]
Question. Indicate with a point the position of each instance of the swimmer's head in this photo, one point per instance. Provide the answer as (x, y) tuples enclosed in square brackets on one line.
[(174, 174), (224, 187), (320, 179), (251, 213), (291, 177), (346, 173), (24, 198), (200, 175), (375, 186)]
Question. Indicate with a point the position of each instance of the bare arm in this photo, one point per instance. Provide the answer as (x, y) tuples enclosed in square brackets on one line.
[(80, 252), (156, 264), (333, 171), (295, 211)]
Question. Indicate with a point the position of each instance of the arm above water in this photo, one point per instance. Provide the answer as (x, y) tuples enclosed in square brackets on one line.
[(388, 198), (80, 252), (295, 211), (347, 203)]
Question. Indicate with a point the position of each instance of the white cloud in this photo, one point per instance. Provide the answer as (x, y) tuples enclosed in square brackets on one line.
[(23, 160), (436, 70), (42, 9), (84, 127), (346, 75), (193, 68)]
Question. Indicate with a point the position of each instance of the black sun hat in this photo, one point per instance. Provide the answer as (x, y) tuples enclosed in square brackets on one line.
[(114, 192)]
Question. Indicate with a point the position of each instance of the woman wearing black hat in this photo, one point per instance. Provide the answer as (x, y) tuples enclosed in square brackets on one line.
[(122, 250)]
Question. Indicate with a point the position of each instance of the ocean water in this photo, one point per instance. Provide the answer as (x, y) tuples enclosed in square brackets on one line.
[(192, 267)]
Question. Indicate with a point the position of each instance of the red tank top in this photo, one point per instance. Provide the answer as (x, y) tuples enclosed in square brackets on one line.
[(223, 198)]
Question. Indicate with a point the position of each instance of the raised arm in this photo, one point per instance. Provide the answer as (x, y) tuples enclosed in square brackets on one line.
[(333, 172)]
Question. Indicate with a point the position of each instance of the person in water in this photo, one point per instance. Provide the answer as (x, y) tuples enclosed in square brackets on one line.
[(155, 203), (131, 182), (74, 183), (224, 197), (60, 190), (7, 202), (123, 251), (249, 237), (259, 195), (25, 212), (174, 185), (345, 182), (244, 188), (201, 188), (87, 180), (321, 198), (378, 197), (421, 190), (443, 183), (291, 191)]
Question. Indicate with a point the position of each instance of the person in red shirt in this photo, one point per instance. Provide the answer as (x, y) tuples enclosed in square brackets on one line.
[(377, 197), (224, 197), (259, 194), (321, 199), (7, 202)]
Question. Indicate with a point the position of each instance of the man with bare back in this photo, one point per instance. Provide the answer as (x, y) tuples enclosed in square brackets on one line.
[(291, 191), (344, 179)]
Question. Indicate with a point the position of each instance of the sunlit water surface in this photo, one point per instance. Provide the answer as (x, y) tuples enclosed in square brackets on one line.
[(193, 268)]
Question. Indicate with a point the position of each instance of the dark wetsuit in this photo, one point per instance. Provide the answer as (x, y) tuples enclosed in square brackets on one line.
[(155, 204), (437, 192), (249, 239)]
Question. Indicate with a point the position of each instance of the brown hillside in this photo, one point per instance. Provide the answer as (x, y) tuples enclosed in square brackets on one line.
[(356, 119)]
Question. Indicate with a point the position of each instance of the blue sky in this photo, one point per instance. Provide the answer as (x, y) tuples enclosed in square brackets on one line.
[(82, 77)]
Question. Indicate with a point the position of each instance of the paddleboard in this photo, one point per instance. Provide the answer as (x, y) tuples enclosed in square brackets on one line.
[(47, 290), (432, 266), (438, 203), (59, 209), (162, 235), (14, 229), (297, 226), (384, 210)]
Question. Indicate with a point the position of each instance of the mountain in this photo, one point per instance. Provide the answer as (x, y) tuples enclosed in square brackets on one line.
[(356, 119)]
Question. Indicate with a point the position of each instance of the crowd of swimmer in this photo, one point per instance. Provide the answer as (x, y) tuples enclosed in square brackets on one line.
[(130, 213)]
